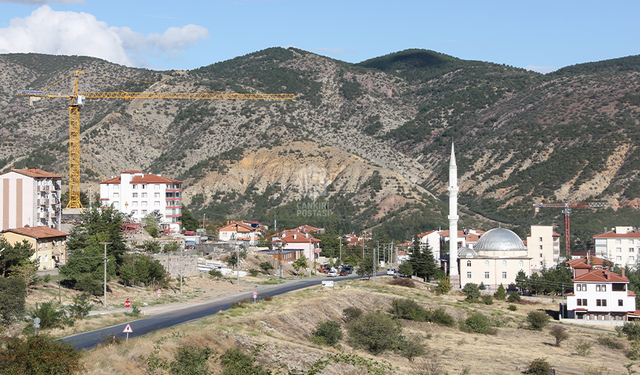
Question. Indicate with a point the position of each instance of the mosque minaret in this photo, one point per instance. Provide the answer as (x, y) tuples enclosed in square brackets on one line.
[(453, 220)]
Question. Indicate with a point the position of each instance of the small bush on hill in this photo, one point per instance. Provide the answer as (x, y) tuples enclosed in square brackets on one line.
[(408, 309), (476, 323), (327, 333), (215, 273), (412, 347), (610, 342), (539, 366), (513, 297), (560, 333), (487, 299), (537, 320), (191, 360), (584, 348), (80, 307), (513, 307), (235, 362), (39, 355), (444, 286), (439, 316), (49, 315), (376, 332), (402, 282), (351, 313), (632, 331)]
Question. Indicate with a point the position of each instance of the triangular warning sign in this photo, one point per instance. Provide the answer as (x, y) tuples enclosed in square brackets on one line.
[(127, 329)]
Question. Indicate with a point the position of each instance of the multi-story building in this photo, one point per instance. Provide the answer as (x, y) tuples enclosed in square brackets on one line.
[(138, 194), (50, 244), (601, 295), (620, 245), (247, 232), (543, 246), (30, 197)]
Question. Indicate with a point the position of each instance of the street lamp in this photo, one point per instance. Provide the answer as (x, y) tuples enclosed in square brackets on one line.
[(105, 270)]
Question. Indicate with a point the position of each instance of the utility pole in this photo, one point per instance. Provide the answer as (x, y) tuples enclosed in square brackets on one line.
[(340, 238), (373, 257), (238, 263), (105, 270), (182, 262)]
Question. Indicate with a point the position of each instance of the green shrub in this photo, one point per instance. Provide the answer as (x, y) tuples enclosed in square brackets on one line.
[(476, 323), (439, 316), (412, 347), (444, 286), (408, 309), (487, 299), (49, 315), (39, 355), (471, 292), (376, 332), (560, 333), (12, 299), (513, 307), (539, 366), (584, 348), (610, 342), (351, 314), (80, 307), (537, 320), (191, 360), (254, 272), (513, 297), (327, 333), (266, 266), (501, 293), (215, 273), (632, 331), (235, 362)]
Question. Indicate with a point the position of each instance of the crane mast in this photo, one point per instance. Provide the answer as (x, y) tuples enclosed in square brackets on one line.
[(78, 99)]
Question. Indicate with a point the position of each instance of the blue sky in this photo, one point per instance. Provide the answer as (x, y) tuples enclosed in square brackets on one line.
[(537, 35)]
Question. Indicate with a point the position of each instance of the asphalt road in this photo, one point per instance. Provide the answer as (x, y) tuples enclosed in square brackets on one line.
[(88, 340)]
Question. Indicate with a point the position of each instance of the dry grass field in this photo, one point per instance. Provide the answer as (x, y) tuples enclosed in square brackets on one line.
[(277, 333)]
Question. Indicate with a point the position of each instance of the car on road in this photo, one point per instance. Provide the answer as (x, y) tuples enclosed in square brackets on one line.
[(332, 273), (343, 273), (391, 272)]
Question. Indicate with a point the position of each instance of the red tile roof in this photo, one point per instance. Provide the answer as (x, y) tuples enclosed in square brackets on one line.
[(612, 234), (37, 232), (35, 173), (603, 276), (145, 179), (299, 238), (582, 262)]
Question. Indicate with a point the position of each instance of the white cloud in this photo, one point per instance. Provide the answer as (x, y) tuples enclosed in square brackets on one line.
[(71, 33)]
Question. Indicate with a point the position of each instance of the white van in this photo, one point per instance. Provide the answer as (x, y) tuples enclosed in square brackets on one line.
[(391, 271)]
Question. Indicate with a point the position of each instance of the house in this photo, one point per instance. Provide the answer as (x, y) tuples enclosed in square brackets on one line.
[(30, 197), (139, 194), (247, 232), (620, 245), (543, 245), (50, 244), (601, 296), (308, 245), (581, 266)]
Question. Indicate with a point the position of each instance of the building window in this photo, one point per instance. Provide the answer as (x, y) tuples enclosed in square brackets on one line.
[(540, 239), (631, 242), (631, 259), (468, 263), (521, 264), (581, 302), (134, 212), (618, 241), (486, 275), (144, 212), (631, 249), (156, 186), (143, 195), (620, 302), (468, 275), (156, 195), (134, 195), (601, 302), (486, 263), (540, 255), (144, 187), (504, 275), (116, 195), (601, 287), (540, 247), (618, 249), (618, 258), (134, 186), (134, 204), (156, 204), (504, 263)]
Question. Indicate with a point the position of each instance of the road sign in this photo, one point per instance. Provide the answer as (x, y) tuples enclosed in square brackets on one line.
[(127, 329), (327, 284), (159, 293), (255, 294), (36, 323), (127, 303)]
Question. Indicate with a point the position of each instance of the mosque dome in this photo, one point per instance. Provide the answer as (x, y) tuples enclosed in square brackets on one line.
[(465, 252), (500, 239)]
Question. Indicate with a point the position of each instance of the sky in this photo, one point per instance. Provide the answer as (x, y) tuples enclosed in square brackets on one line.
[(538, 35)]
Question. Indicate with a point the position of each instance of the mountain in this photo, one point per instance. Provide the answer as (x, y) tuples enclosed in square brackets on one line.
[(369, 140)]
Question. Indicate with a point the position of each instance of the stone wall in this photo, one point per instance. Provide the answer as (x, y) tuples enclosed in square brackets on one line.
[(174, 264)]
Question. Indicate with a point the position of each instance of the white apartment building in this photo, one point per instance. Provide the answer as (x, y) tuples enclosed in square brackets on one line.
[(620, 245), (543, 246), (30, 197), (601, 295), (138, 194)]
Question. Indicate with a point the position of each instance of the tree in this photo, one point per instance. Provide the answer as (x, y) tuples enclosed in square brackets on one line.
[(171, 247), (366, 267), (422, 260), (406, 269), (99, 225), (266, 266), (188, 221), (522, 281), (152, 223), (472, 292), (50, 316), (13, 255), (501, 293), (327, 333), (25, 271), (81, 306), (85, 269), (539, 366), (12, 299), (300, 263), (444, 286), (560, 333)]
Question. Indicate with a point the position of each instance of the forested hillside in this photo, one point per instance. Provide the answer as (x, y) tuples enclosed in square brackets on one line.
[(370, 139)]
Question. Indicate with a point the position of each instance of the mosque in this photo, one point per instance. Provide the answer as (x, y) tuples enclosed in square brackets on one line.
[(497, 257)]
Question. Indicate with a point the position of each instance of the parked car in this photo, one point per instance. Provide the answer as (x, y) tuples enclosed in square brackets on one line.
[(391, 272), (343, 273), (332, 273)]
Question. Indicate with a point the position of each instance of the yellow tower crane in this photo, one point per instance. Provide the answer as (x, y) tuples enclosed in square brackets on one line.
[(77, 101)]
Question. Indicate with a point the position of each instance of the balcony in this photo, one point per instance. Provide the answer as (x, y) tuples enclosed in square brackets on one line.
[(43, 202), (44, 188)]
